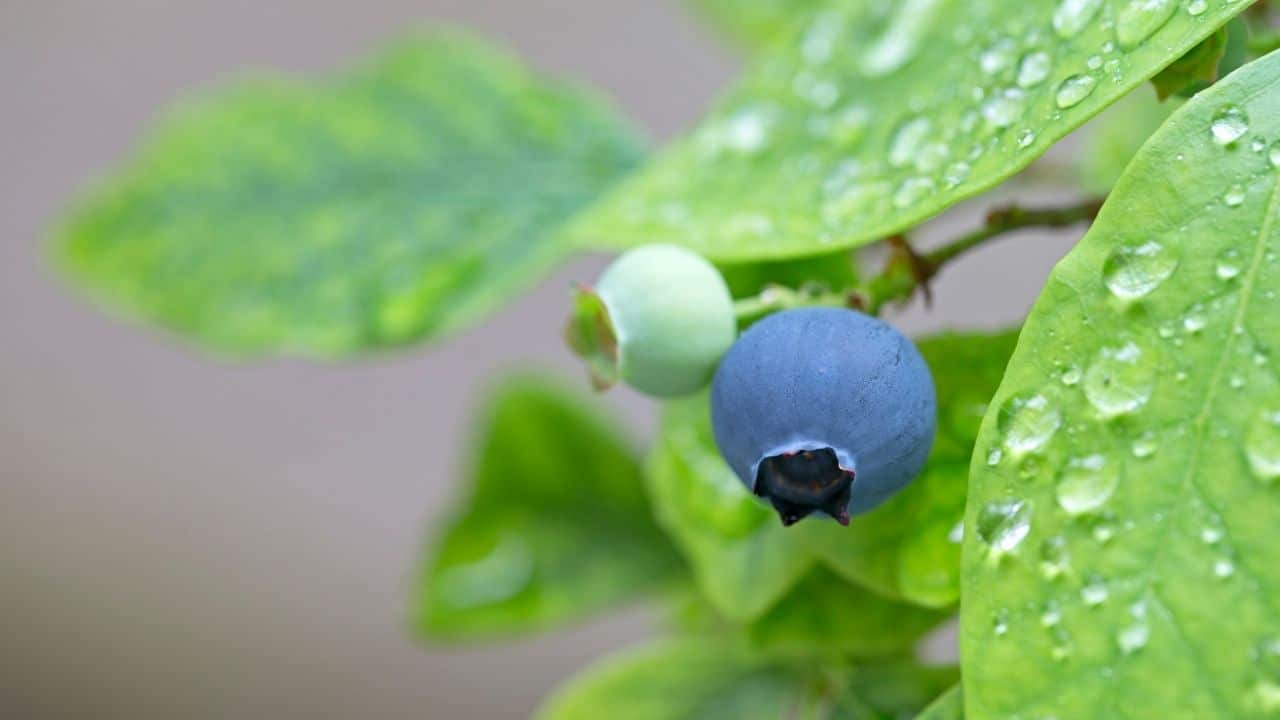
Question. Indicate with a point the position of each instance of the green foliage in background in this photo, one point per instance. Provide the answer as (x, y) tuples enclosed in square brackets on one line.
[(394, 203), (1104, 498), (1124, 493)]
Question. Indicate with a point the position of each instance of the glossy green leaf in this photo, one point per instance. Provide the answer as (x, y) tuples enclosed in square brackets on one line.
[(753, 24), (745, 561), (679, 680), (876, 115), (391, 204), (948, 707), (556, 526), (825, 614), (1115, 137), (1120, 557)]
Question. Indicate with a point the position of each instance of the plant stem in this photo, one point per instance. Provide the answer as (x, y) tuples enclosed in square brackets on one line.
[(906, 271)]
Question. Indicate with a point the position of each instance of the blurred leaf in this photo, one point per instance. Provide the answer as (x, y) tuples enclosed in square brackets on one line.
[(753, 24), (1113, 139), (556, 526), (875, 115), (834, 271), (1123, 559), (826, 615), (678, 680), (395, 203), (948, 707), (907, 549), (1197, 68)]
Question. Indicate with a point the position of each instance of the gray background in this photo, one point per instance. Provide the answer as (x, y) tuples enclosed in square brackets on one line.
[(181, 537)]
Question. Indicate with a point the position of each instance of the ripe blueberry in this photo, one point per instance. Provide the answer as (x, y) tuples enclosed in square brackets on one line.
[(823, 409), (659, 318)]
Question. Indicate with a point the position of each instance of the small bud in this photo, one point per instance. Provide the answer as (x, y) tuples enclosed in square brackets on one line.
[(659, 319)]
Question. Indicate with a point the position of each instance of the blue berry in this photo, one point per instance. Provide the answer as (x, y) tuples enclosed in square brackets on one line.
[(823, 410)]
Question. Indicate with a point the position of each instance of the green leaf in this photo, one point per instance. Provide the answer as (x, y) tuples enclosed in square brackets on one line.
[(1196, 69), (826, 615), (674, 680), (745, 561), (1122, 559), (753, 24), (1115, 137), (556, 525), (381, 207), (948, 707), (876, 115)]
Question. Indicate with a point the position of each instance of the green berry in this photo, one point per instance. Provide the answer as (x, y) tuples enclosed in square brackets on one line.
[(659, 319)]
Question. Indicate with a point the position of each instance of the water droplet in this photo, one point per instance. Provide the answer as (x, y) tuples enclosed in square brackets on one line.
[(1085, 484), (998, 56), (1071, 376), (1133, 638), (1211, 535), (1194, 321), (994, 456), (1000, 622), (498, 576), (1140, 19), (1004, 524), (1132, 271), (901, 37), (1257, 145), (746, 131), (1262, 446), (1026, 423), (1074, 90), (932, 156), (1071, 16), (1003, 108), (1229, 264), (1267, 655), (1052, 614), (1228, 125), (1053, 557), (912, 191), (1145, 445), (1094, 593), (820, 39), (955, 536), (1273, 154), (1234, 196), (1120, 380), (1094, 62), (1034, 68), (1025, 138), (1223, 569), (955, 174), (1195, 8), (907, 139)]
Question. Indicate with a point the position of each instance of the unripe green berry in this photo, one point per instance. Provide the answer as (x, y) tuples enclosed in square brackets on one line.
[(661, 315)]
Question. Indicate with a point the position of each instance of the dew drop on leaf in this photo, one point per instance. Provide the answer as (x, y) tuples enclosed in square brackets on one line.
[(1026, 423), (1229, 264), (907, 139), (1145, 445), (1223, 569), (955, 174), (997, 56), (1262, 446), (1085, 484), (1034, 68), (1273, 154), (1196, 8), (901, 39), (1228, 125), (1133, 638), (912, 191), (1004, 108), (1140, 19), (1120, 380), (1132, 271), (1004, 524), (1025, 138), (1234, 196), (1074, 90), (1053, 557), (1071, 16), (1094, 593)]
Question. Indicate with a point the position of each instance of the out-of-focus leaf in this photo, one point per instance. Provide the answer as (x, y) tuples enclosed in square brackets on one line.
[(875, 115), (1122, 561), (1197, 68), (697, 680), (556, 526), (1113, 139), (388, 205), (753, 24)]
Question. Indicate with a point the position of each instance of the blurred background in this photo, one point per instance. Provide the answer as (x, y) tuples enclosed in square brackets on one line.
[(185, 537)]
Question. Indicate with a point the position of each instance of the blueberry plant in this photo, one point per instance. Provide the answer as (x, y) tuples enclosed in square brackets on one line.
[(1096, 493)]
